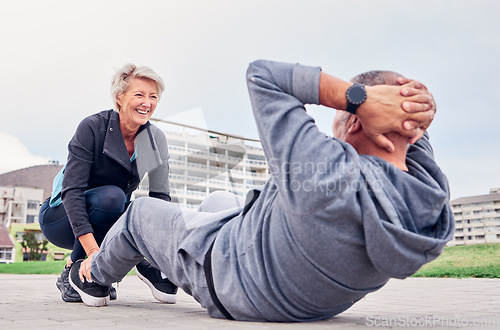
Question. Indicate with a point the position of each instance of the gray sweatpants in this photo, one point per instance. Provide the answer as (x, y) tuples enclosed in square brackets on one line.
[(155, 229)]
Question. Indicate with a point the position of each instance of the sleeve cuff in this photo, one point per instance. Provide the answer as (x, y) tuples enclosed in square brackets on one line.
[(82, 230), (306, 83)]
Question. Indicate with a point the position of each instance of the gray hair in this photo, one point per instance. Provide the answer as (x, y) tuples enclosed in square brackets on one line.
[(376, 77), (121, 78)]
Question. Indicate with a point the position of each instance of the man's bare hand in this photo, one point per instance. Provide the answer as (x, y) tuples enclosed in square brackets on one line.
[(414, 87), (408, 110)]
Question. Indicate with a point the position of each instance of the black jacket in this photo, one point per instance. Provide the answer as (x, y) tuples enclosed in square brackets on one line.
[(97, 156)]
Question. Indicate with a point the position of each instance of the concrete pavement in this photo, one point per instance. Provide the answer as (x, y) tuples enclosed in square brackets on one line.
[(33, 301)]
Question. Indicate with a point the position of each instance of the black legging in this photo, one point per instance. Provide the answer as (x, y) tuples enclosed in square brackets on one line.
[(104, 206)]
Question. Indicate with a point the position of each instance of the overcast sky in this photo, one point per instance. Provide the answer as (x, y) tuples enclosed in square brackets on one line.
[(57, 59)]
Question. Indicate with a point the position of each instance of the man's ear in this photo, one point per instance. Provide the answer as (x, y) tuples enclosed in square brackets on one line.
[(354, 125)]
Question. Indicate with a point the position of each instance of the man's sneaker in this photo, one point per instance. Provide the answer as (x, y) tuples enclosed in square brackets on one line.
[(112, 293), (68, 294), (92, 293), (163, 290)]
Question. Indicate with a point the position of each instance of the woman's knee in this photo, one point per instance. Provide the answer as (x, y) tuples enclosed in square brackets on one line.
[(106, 198)]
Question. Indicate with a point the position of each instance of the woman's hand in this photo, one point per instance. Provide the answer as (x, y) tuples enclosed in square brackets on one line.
[(85, 269), (91, 247)]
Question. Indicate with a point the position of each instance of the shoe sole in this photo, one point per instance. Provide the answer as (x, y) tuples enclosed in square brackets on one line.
[(88, 299), (160, 296)]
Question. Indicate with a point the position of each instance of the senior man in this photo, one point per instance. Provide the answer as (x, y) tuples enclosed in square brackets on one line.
[(338, 218)]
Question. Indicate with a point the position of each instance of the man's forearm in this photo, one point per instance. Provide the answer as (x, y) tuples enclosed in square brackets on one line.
[(332, 91)]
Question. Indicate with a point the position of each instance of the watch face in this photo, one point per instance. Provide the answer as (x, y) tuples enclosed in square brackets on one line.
[(357, 94)]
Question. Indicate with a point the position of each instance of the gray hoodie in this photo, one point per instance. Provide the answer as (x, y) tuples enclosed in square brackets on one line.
[(331, 225)]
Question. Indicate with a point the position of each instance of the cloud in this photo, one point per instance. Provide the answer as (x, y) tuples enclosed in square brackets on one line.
[(15, 155)]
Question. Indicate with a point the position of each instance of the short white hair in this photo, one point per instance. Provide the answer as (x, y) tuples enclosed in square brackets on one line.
[(121, 78)]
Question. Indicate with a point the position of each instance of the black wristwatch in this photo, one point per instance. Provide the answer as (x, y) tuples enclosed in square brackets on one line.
[(355, 96)]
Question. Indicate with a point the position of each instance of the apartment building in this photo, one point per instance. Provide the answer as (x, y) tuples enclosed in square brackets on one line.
[(19, 205), (477, 219), (21, 193), (203, 161)]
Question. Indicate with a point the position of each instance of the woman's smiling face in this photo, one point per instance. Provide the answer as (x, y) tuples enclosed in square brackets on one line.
[(138, 102)]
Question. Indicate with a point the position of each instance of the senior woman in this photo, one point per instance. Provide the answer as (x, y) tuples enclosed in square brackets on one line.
[(109, 154)]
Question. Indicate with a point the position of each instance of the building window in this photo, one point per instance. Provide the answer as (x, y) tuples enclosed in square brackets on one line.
[(33, 204), (19, 235), (5, 254), (30, 219)]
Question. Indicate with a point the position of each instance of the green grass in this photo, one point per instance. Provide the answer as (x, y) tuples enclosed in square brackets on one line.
[(481, 260), (33, 267), (36, 267)]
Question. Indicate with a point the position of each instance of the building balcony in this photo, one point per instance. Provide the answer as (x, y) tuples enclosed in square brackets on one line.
[(180, 193)]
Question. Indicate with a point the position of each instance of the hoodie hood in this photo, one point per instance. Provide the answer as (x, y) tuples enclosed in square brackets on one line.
[(407, 217)]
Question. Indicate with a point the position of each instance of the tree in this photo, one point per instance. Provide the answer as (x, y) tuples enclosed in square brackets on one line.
[(32, 248)]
